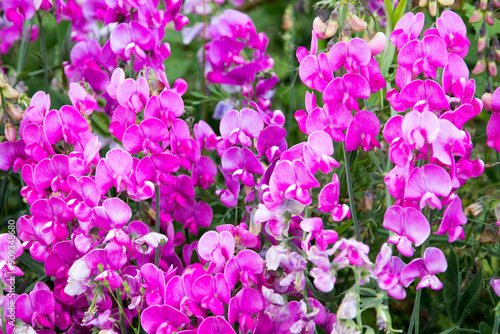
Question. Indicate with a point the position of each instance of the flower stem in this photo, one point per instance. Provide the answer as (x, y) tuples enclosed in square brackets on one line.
[(497, 320), (351, 193), (122, 314), (157, 222), (44, 55), (414, 322)]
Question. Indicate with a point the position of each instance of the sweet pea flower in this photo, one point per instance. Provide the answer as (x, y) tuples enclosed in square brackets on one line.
[(239, 127), (64, 124), (409, 225), (243, 307), (493, 131), (163, 319), (114, 170), (129, 39), (193, 215), (157, 168), (351, 252), (11, 249), (204, 171), (178, 192), (133, 94), (346, 89), (37, 307), (182, 145), (212, 325), (53, 215), (244, 267), (212, 292), (302, 51), (34, 238), (352, 55), (329, 200), (314, 227), (333, 119), (271, 142), (53, 173), (86, 197), (495, 284), (453, 220), (318, 153), (145, 136), (167, 107), (420, 129), (205, 135), (12, 155), (407, 29), (81, 100), (388, 272), (243, 164), (315, 72), (425, 184), (426, 268), (362, 131), (492, 101), (216, 247), (453, 31), (229, 196), (424, 56), (292, 180), (242, 236)]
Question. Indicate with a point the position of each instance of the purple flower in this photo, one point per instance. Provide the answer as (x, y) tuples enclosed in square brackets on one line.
[(333, 119), (212, 292), (216, 247), (315, 72), (453, 220), (407, 29), (363, 131), (271, 142), (53, 215), (425, 184), (114, 170), (409, 224), (163, 319), (244, 267), (453, 31), (229, 196), (133, 94), (81, 100), (323, 238), (129, 39), (11, 249), (37, 307), (215, 325), (351, 252), (425, 268), (243, 164), (352, 55), (194, 215), (329, 200), (167, 107), (157, 168), (424, 56), (145, 136), (318, 153), (345, 90), (240, 127), (204, 172), (388, 272), (64, 124), (247, 303), (205, 135)]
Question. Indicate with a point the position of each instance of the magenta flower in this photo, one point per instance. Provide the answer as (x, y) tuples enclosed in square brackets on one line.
[(52, 173), (329, 201), (216, 247), (167, 107), (117, 78), (424, 56), (242, 236), (157, 169), (495, 284), (351, 252), (315, 72), (163, 319), (409, 224), (333, 119), (212, 292), (271, 142), (53, 215), (205, 135), (425, 184), (302, 51), (122, 118), (12, 155), (292, 180), (229, 196), (11, 249), (247, 303), (352, 55), (426, 268), (131, 39), (323, 238), (421, 96), (37, 307), (388, 272), (420, 129), (37, 241), (114, 170), (145, 136), (133, 94), (37, 144), (81, 100), (452, 30), (182, 145), (215, 325), (346, 89), (363, 131), (318, 153), (243, 164), (113, 213), (493, 131), (204, 172), (65, 124), (453, 220), (244, 267), (239, 127), (178, 192), (193, 215), (407, 29), (85, 197)]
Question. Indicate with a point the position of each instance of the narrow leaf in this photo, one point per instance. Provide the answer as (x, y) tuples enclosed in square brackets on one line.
[(470, 296), (399, 12), (484, 328), (451, 288)]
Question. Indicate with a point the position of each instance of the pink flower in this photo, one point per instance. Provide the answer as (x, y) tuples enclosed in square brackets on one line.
[(409, 224), (246, 304), (145, 136), (425, 184), (133, 94), (81, 100), (212, 325), (346, 89), (37, 307), (453, 220), (452, 30), (351, 252), (407, 29), (318, 153), (243, 164), (163, 319), (129, 39), (204, 172), (388, 272), (315, 72), (114, 170), (329, 201), (205, 135), (425, 268), (352, 55), (244, 267), (216, 247), (240, 127), (363, 131), (212, 293), (314, 227), (167, 107), (424, 56), (157, 169), (193, 215), (65, 124), (333, 119)]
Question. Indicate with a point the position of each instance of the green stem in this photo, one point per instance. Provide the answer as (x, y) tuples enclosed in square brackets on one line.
[(122, 314), (157, 222), (44, 54), (351, 193), (414, 322), (497, 320), (359, 321)]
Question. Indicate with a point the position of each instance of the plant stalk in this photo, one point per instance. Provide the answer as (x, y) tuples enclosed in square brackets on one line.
[(157, 222), (351, 194)]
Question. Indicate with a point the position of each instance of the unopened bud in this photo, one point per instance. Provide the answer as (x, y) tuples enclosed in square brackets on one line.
[(100, 267), (486, 99), (477, 16), (357, 24), (432, 7), (384, 320), (475, 209), (2, 80), (495, 45), (480, 64), (334, 15), (446, 3), (377, 43), (126, 287), (347, 309), (483, 4), (14, 111), (9, 92), (10, 131), (422, 3), (492, 66), (346, 32), (488, 16)]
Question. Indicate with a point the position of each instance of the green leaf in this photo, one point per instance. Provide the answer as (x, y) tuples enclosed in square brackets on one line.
[(470, 296), (33, 265), (342, 228), (388, 12), (399, 12), (388, 57), (451, 287), (449, 330), (484, 328)]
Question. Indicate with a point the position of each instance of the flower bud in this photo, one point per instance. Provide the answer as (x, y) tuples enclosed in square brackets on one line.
[(384, 320), (483, 4), (10, 131), (14, 111), (2, 80), (446, 3), (482, 40), (334, 15), (422, 3), (357, 24), (496, 3), (488, 16), (9, 92), (325, 30), (319, 27), (347, 309), (126, 287), (100, 267), (486, 99), (495, 45), (432, 7), (377, 43), (346, 32), (492, 66), (477, 16), (475, 209), (480, 64), (1, 113)]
